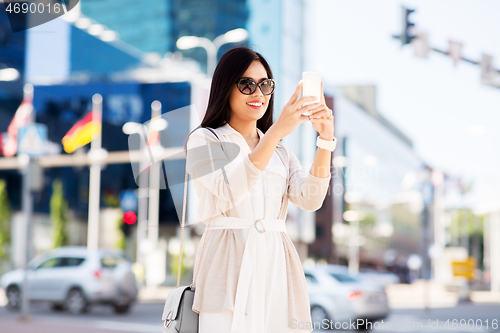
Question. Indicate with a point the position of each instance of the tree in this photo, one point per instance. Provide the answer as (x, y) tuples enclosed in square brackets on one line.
[(121, 242), (5, 214), (174, 265), (58, 214)]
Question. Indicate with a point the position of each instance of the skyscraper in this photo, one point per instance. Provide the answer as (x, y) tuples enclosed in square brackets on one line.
[(156, 25)]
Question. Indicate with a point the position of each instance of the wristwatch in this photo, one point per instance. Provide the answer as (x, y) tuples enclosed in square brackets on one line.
[(328, 145)]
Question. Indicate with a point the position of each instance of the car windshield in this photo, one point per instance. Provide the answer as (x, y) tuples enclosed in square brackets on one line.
[(343, 278), (71, 261), (110, 261), (51, 263)]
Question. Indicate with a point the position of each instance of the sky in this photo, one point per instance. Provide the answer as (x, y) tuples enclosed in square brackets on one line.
[(437, 105)]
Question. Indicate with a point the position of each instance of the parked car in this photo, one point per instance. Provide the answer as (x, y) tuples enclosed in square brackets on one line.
[(339, 297), (382, 278), (74, 278)]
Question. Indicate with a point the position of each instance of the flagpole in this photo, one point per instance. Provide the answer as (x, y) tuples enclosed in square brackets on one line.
[(154, 181), (95, 178), (27, 207)]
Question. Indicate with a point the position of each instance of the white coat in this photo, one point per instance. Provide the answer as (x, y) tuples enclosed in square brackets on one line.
[(250, 278)]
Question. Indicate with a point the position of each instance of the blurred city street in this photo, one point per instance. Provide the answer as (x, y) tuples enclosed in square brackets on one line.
[(145, 319), (406, 316)]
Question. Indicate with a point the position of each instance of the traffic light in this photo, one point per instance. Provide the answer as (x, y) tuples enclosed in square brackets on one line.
[(406, 34), (126, 229), (129, 218)]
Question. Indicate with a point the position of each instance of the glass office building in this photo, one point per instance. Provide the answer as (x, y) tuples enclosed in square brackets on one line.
[(155, 26), (376, 176)]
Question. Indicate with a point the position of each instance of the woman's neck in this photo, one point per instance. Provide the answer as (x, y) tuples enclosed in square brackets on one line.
[(247, 130)]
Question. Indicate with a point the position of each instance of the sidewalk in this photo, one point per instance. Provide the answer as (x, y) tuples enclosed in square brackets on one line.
[(146, 295), (17, 326), (158, 294), (422, 293)]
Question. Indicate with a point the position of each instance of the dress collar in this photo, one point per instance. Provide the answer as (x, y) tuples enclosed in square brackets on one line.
[(226, 129)]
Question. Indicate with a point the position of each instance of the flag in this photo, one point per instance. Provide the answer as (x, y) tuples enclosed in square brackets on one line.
[(455, 51), (421, 44), (21, 118), (153, 138), (489, 74), (82, 132)]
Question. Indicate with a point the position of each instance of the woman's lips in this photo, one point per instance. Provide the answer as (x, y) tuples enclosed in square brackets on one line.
[(255, 105)]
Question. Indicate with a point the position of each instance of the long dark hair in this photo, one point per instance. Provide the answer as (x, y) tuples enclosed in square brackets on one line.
[(232, 65)]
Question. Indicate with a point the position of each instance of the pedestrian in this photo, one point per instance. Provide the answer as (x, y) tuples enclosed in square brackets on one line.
[(250, 278)]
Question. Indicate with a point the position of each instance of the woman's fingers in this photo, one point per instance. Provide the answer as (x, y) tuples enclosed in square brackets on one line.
[(322, 94), (320, 107), (321, 114), (301, 101), (306, 109), (295, 94)]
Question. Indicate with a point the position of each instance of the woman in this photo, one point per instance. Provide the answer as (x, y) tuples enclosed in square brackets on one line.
[(250, 277)]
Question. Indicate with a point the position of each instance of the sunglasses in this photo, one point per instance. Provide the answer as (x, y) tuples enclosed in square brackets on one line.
[(248, 86)]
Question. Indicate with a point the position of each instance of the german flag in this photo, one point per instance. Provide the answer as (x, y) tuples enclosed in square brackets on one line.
[(82, 132)]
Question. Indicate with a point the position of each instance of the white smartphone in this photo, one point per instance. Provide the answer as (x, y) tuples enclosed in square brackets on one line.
[(311, 87)]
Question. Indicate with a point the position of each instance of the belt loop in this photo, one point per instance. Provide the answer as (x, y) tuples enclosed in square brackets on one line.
[(263, 229)]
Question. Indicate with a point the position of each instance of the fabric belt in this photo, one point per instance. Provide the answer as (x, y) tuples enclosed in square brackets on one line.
[(257, 228)]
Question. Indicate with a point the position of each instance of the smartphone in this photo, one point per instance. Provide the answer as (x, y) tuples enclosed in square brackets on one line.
[(311, 87)]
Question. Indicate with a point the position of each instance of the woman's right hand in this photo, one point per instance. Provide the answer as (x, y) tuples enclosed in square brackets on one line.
[(291, 116)]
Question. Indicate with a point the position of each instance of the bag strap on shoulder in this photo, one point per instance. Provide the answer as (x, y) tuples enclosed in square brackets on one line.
[(193, 285), (211, 130)]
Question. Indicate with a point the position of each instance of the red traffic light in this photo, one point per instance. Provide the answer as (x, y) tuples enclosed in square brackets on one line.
[(129, 217)]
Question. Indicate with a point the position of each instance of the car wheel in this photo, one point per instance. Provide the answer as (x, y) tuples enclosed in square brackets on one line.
[(76, 302), (121, 308), (318, 314), (14, 298)]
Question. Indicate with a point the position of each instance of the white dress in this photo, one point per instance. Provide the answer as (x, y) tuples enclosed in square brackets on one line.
[(250, 278)]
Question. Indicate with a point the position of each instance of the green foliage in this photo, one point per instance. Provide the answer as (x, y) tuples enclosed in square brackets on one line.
[(5, 213), (121, 243), (368, 220), (58, 214), (111, 199), (463, 223), (174, 265)]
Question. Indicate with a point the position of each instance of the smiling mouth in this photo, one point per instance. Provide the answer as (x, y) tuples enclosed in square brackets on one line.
[(255, 104)]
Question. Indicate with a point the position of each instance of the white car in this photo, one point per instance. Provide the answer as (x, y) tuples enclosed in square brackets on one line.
[(338, 298), (383, 278), (73, 278)]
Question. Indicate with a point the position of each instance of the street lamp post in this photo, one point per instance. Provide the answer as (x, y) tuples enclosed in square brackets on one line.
[(154, 177), (96, 154), (211, 47), (148, 178), (353, 215), (143, 184)]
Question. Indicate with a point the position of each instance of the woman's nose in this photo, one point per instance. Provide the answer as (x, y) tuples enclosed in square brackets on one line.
[(258, 92)]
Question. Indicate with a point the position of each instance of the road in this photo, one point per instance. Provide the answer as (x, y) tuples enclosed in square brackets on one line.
[(145, 318)]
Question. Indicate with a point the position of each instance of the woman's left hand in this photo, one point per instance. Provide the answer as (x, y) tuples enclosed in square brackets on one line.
[(322, 119)]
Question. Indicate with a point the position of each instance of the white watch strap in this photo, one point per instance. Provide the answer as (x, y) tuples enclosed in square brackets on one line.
[(328, 145)]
